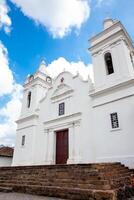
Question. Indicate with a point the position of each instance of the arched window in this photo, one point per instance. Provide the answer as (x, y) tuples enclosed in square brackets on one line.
[(109, 63), (29, 99)]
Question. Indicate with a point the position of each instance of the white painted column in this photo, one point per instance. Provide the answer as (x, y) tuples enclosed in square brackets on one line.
[(74, 143), (71, 144), (33, 146), (51, 147), (46, 131), (77, 147)]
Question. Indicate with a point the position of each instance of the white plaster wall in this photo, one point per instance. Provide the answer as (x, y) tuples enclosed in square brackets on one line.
[(114, 145), (24, 155), (5, 161)]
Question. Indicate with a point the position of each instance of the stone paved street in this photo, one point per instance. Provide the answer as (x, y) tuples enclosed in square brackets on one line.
[(18, 196)]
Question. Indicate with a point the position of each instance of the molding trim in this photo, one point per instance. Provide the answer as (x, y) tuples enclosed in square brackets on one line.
[(62, 91), (61, 123), (63, 118), (61, 126), (108, 89), (110, 101), (62, 98), (36, 81), (105, 31), (116, 25), (19, 129), (33, 116)]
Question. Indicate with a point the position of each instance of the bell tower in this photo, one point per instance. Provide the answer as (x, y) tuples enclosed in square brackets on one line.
[(112, 55), (35, 88)]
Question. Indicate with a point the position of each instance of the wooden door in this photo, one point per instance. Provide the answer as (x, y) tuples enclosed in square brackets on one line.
[(61, 147)]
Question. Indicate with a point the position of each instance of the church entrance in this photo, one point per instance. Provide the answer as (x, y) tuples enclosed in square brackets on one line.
[(62, 146)]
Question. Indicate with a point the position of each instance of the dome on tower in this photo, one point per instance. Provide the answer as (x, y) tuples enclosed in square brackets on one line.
[(42, 67), (108, 22)]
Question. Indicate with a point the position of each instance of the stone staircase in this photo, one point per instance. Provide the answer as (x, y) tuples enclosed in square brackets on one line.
[(111, 181)]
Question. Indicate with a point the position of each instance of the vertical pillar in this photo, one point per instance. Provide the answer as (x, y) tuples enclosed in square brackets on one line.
[(51, 147), (46, 145), (71, 144), (77, 147), (74, 143)]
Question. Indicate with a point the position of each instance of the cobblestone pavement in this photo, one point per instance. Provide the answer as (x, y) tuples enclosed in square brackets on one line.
[(18, 196)]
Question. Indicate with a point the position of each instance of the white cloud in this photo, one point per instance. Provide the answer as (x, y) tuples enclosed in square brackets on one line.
[(5, 21), (61, 64), (10, 111), (58, 16), (6, 76)]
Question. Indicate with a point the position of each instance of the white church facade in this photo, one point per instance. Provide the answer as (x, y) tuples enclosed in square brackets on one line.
[(67, 120)]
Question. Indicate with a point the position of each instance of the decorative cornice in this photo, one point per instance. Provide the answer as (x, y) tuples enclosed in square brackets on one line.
[(117, 42), (108, 46), (29, 126), (104, 46), (36, 81), (63, 118), (67, 125), (105, 31), (23, 119), (127, 38), (108, 89), (62, 90)]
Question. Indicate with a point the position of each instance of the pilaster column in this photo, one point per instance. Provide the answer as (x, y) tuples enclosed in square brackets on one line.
[(74, 143), (71, 144), (46, 131), (77, 142), (51, 145)]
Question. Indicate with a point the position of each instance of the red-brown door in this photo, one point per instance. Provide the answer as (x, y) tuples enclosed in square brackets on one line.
[(61, 147)]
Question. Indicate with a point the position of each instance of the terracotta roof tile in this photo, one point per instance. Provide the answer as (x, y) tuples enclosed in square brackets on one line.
[(6, 151)]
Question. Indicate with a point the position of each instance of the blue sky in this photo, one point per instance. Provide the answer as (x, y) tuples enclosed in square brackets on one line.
[(31, 30)]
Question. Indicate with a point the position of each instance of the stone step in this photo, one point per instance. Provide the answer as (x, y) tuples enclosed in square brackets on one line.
[(70, 174), (90, 181), (27, 170), (115, 172), (86, 181), (101, 176), (67, 193), (64, 167), (83, 178), (5, 189), (60, 184)]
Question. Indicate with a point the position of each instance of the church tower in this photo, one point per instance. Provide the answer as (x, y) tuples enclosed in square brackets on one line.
[(113, 55), (35, 88)]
